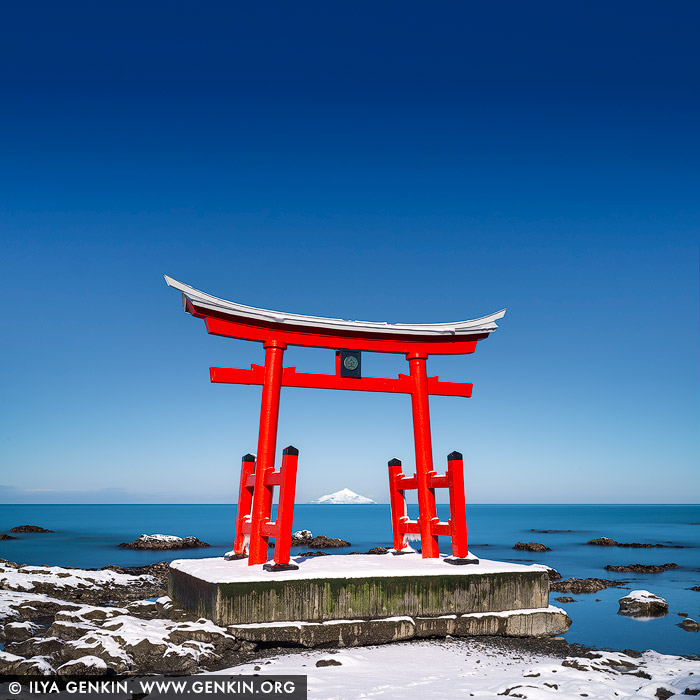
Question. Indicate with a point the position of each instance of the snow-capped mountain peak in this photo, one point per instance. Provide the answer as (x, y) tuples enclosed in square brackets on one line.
[(344, 496)]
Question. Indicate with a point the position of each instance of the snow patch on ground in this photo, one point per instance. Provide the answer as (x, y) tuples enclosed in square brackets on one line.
[(25, 578), (470, 668)]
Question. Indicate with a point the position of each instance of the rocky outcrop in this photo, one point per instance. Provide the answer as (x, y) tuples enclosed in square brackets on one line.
[(532, 547), (4, 537), (304, 538), (642, 568), (607, 542), (565, 599), (29, 528), (642, 604), (689, 625), (68, 639), (102, 587), (582, 585), (158, 542)]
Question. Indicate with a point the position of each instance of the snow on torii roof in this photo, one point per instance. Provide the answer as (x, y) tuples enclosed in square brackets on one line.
[(206, 303)]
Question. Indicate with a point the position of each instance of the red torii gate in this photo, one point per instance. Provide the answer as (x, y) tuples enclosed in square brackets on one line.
[(277, 330)]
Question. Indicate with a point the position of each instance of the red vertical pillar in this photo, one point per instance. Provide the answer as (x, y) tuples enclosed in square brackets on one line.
[(267, 442), (398, 503), (245, 499), (458, 509), (285, 509), (424, 454)]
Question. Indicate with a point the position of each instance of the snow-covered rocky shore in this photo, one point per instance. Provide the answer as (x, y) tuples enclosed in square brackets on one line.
[(485, 668), (68, 622)]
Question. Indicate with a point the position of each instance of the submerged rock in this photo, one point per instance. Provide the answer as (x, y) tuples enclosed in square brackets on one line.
[(607, 542), (29, 528), (642, 604), (532, 547), (158, 542), (583, 585), (643, 568)]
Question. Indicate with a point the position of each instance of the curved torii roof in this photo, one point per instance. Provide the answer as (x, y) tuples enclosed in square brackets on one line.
[(202, 304)]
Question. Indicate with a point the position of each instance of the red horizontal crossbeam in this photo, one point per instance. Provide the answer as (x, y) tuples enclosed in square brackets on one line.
[(371, 342), (412, 527), (403, 384)]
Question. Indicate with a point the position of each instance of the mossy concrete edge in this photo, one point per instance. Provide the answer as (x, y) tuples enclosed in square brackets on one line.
[(367, 598)]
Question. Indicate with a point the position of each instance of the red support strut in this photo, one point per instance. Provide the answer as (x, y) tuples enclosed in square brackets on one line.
[(281, 528), (455, 527)]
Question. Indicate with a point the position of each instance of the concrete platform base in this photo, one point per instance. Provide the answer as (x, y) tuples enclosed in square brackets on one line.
[(377, 597), (545, 622)]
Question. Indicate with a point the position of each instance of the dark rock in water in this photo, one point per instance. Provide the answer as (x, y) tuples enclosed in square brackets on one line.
[(642, 604), (607, 542), (323, 542), (642, 568), (29, 528), (301, 536), (158, 542), (4, 537), (374, 550), (553, 574), (378, 550), (304, 538), (690, 625), (565, 599), (602, 542), (644, 545), (314, 554), (682, 614), (694, 588), (532, 547), (583, 585)]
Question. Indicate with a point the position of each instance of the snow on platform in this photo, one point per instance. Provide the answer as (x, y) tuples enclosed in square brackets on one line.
[(218, 570)]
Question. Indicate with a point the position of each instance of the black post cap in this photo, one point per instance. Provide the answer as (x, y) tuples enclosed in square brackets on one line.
[(394, 462), (248, 458), (454, 455), (291, 450)]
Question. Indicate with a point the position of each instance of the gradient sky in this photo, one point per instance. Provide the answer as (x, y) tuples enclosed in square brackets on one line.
[(394, 161)]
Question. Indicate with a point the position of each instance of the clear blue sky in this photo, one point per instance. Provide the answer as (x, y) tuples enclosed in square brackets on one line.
[(394, 161)]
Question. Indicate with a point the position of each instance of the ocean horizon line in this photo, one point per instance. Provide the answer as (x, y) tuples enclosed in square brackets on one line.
[(379, 503)]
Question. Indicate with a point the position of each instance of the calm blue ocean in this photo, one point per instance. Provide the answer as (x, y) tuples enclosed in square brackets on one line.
[(88, 535)]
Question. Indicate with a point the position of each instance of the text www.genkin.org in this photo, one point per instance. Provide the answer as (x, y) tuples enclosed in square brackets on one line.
[(212, 687)]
